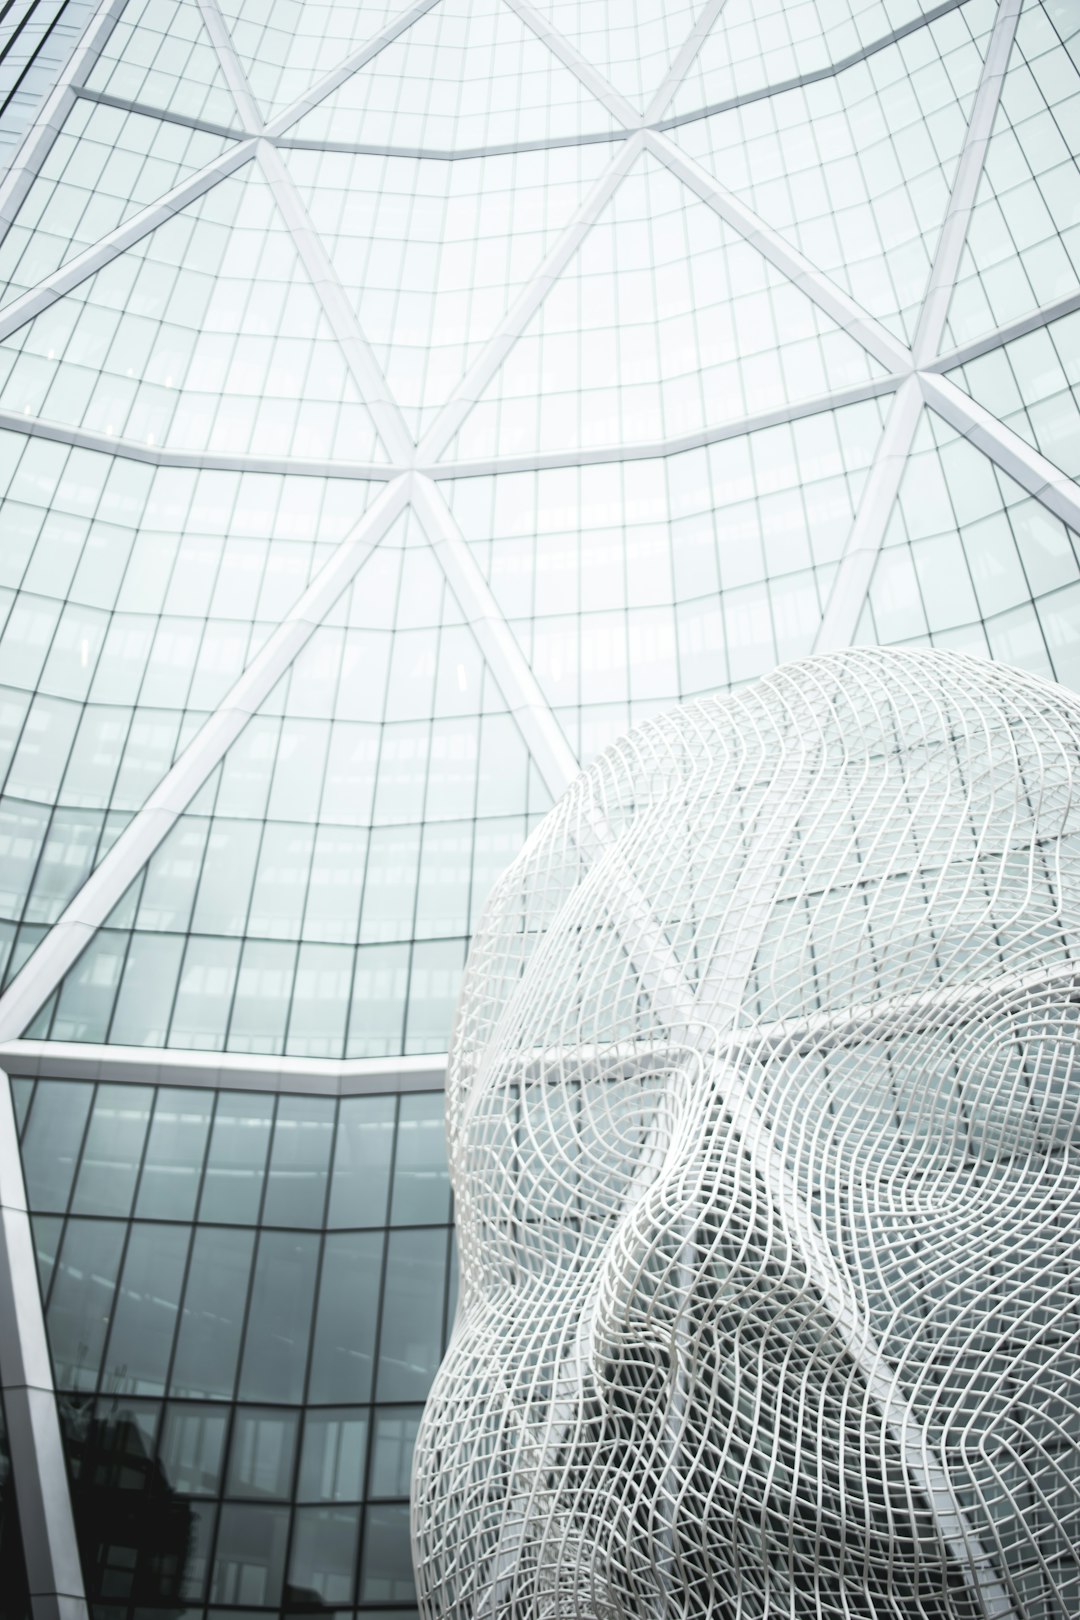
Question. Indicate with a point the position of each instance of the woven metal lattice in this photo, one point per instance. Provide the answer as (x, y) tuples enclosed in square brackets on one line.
[(763, 1128)]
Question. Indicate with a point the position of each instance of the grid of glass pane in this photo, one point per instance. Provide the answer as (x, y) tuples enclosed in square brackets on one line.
[(659, 408), (131, 598), (971, 561), (316, 898), (246, 1299), (654, 424)]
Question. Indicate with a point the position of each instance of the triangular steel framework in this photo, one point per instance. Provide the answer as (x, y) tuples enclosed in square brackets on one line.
[(914, 377)]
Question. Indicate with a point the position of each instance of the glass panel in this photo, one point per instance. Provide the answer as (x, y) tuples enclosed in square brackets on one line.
[(411, 1341), (261, 1453), (392, 1442), (322, 1564), (144, 1317), (361, 1178), (236, 1162), (111, 1157), (348, 1310), (299, 1162), (191, 1448), (249, 1560), (51, 1143), (334, 1455), (388, 1575), (421, 1176), (212, 1318), (81, 1300), (169, 1185), (279, 1322)]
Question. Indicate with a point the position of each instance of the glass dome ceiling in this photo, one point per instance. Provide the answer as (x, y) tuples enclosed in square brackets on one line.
[(398, 403)]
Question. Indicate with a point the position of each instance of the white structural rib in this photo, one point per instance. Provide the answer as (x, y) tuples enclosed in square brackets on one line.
[(684, 60), (39, 138), (99, 254), (71, 933), (137, 1065), (235, 77), (648, 449), (36, 1445), (1013, 454), (836, 303), (1020, 327), (852, 582), (965, 186), (543, 736), (363, 366), (157, 455), (521, 311), (601, 88)]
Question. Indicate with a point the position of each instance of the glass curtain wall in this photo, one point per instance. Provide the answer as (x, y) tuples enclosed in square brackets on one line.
[(396, 403)]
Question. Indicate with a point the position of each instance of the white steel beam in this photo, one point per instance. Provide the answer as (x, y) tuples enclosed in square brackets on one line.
[(969, 170), (72, 932), (543, 735), (99, 254), (1012, 454), (345, 69), (599, 87), (363, 366), (648, 449), (38, 1468), (848, 594), (676, 73), (826, 294), (160, 456), (236, 1071), (250, 114), (1045, 316), (521, 311)]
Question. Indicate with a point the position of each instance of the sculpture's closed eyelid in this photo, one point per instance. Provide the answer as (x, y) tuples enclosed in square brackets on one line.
[(771, 1224)]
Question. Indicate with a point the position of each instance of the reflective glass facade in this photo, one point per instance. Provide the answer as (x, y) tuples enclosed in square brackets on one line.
[(397, 402)]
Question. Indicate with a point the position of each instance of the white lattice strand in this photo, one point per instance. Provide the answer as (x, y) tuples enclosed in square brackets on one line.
[(764, 1136)]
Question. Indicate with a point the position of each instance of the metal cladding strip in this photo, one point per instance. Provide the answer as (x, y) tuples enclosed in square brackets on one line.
[(352, 64), (363, 366), (1045, 316), (650, 449), (74, 929), (38, 1467), (1014, 455), (780, 87), (382, 471), (876, 339), (623, 111), (807, 1248), (847, 597), (684, 60), (39, 138), (543, 735), (99, 254), (498, 346), (161, 456), (235, 77), (235, 1071), (928, 333)]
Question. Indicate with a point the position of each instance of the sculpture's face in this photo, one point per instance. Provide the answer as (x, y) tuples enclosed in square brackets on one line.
[(764, 1131)]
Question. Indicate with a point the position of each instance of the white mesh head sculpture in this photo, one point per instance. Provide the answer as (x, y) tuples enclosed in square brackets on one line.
[(763, 1120)]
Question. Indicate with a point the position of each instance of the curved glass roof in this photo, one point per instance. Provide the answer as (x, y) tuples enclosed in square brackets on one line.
[(397, 402)]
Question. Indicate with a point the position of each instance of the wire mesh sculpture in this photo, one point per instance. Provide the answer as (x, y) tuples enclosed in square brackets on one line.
[(763, 1123)]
